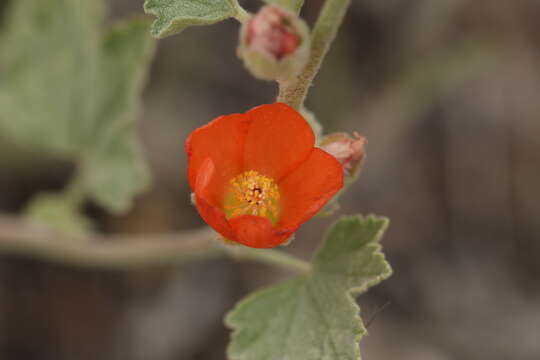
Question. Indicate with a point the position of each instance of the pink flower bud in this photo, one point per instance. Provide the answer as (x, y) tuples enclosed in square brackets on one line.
[(349, 151), (274, 43), (271, 31)]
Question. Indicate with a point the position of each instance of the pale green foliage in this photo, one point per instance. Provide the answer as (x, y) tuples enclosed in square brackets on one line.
[(314, 317), (116, 170), (69, 90), (173, 16)]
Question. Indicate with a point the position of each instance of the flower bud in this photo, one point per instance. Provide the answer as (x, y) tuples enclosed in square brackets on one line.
[(274, 43), (349, 151)]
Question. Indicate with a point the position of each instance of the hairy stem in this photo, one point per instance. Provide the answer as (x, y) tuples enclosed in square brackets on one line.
[(293, 91), (130, 251), (272, 257)]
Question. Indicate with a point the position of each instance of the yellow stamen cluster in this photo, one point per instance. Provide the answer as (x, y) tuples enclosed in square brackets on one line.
[(251, 193)]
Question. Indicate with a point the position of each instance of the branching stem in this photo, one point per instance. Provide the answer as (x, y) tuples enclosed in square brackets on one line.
[(130, 251)]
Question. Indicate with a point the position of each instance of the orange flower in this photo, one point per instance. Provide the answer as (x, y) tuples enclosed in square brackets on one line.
[(257, 176)]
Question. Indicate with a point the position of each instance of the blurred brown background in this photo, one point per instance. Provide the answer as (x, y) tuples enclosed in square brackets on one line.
[(446, 92)]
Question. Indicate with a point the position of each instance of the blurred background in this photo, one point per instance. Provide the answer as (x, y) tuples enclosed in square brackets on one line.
[(447, 94)]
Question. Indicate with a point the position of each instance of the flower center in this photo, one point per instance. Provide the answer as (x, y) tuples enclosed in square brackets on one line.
[(251, 193)]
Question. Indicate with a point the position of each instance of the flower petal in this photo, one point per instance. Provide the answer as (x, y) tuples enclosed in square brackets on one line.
[(222, 140), (306, 189), (212, 214), (278, 140), (257, 232)]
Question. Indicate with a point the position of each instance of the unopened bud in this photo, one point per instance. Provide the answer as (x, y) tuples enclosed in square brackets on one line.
[(274, 43), (349, 151)]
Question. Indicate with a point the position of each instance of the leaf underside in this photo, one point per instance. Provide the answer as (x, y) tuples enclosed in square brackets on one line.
[(173, 16), (314, 317)]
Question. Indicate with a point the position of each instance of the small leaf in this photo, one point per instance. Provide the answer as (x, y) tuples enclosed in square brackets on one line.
[(173, 16), (314, 317), (58, 213)]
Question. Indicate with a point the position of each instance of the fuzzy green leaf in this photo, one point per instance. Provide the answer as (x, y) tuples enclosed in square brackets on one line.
[(314, 317), (173, 16), (70, 90)]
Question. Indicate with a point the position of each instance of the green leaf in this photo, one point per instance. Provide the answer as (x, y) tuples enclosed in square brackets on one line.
[(70, 90), (48, 64), (173, 16), (314, 317)]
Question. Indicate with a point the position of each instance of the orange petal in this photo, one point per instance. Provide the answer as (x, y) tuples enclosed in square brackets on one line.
[(257, 232), (222, 140), (212, 214), (279, 139), (305, 190)]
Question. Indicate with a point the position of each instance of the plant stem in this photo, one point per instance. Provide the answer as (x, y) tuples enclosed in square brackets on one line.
[(241, 14), (293, 91), (130, 251), (268, 256), (297, 5)]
